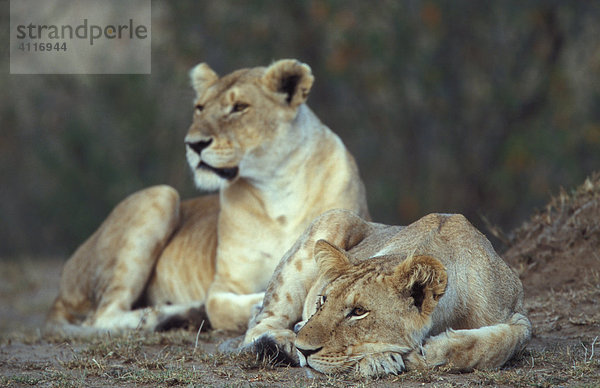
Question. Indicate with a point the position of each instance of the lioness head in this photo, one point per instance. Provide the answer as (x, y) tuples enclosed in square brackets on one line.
[(241, 120), (371, 313)]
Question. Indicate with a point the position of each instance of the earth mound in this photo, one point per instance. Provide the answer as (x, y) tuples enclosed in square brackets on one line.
[(557, 256)]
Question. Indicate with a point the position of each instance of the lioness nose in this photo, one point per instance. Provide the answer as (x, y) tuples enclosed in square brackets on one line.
[(198, 146), (308, 352)]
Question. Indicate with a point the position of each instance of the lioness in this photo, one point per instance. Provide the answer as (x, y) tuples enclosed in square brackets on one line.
[(378, 299), (276, 166)]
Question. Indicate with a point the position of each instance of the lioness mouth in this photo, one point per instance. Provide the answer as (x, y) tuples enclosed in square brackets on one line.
[(225, 173)]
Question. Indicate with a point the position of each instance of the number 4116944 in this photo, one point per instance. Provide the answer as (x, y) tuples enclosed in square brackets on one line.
[(43, 46)]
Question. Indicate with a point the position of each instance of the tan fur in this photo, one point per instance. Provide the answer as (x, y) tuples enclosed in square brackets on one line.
[(377, 299), (276, 167)]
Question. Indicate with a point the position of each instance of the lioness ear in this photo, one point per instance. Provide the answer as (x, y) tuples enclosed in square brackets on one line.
[(290, 77), (331, 260), (425, 278), (202, 77)]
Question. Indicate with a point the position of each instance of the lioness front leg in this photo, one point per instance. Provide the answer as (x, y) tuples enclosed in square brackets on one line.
[(292, 280), (487, 347), (228, 310)]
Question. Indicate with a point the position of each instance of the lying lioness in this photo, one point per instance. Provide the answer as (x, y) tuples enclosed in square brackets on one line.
[(380, 299), (276, 167)]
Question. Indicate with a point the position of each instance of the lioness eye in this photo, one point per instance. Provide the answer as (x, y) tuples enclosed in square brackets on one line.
[(357, 312), (199, 108), (238, 107)]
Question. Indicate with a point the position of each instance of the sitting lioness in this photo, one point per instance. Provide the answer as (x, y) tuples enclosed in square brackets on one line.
[(156, 261), (376, 299)]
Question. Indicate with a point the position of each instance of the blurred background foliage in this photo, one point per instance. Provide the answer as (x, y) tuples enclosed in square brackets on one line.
[(478, 107)]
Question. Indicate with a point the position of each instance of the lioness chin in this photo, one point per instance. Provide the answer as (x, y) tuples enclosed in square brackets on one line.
[(356, 296), (276, 167)]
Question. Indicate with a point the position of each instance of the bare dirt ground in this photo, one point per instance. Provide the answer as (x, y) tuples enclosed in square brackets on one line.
[(556, 253)]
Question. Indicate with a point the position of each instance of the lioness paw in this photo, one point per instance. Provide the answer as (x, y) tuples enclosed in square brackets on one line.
[(415, 360), (276, 349), (381, 364)]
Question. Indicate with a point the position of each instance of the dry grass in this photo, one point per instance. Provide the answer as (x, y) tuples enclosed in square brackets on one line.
[(174, 359)]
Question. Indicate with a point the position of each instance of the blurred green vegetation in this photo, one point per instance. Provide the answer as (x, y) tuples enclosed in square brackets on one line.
[(482, 108)]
